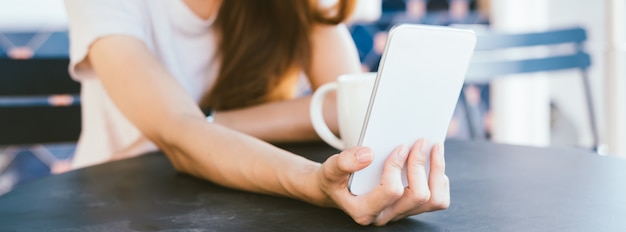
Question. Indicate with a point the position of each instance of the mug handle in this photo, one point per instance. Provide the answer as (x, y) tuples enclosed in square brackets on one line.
[(317, 117)]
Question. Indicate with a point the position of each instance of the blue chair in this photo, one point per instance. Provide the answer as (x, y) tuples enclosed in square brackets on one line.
[(39, 101), (484, 70), (39, 104)]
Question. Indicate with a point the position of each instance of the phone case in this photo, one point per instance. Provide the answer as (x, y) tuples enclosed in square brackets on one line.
[(420, 76)]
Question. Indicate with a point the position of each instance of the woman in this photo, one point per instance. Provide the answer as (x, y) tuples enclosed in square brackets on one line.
[(145, 67)]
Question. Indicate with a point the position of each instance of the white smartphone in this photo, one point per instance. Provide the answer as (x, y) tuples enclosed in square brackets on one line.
[(417, 87)]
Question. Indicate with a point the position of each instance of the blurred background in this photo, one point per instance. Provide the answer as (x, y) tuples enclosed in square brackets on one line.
[(576, 99)]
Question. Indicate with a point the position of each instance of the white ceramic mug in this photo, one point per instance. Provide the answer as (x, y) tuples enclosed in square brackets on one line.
[(353, 96)]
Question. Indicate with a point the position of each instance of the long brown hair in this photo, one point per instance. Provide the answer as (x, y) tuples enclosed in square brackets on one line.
[(263, 46)]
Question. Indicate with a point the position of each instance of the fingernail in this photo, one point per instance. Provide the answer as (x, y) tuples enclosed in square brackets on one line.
[(402, 153), (364, 155)]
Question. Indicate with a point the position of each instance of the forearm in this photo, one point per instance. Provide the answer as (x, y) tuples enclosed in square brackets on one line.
[(283, 121), (236, 160), (334, 54)]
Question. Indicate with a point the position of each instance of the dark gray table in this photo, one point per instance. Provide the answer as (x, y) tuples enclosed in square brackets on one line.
[(494, 188)]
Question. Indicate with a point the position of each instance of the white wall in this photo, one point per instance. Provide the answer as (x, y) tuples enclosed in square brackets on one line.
[(567, 92), (32, 14), (566, 87)]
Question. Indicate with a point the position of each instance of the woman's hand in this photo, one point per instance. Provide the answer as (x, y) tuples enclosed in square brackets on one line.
[(389, 201)]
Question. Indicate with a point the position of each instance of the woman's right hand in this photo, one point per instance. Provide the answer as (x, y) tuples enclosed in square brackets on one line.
[(390, 200)]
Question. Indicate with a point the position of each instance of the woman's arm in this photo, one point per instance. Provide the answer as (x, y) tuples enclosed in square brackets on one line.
[(135, 80), (334, 53)]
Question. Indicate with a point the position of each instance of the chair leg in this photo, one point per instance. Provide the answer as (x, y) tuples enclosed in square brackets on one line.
[(42, 153), (7, 155), (591, 111), (472, 114), (7, 179)]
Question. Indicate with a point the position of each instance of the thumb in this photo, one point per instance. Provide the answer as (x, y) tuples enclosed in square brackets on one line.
[(351, 160)]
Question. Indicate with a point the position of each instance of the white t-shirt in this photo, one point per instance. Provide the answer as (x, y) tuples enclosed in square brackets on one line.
[(183, 42)]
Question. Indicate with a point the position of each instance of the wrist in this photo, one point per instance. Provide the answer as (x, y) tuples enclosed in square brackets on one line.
[(304, 184), (319, 188)]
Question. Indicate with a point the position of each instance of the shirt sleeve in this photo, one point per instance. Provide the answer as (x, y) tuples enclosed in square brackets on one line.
[(90, 20)]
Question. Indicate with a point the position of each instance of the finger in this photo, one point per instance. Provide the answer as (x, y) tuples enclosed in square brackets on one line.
[(438, 181), (416, 167), (417, 193), (391, 187), (391, 180), (337, 167)]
